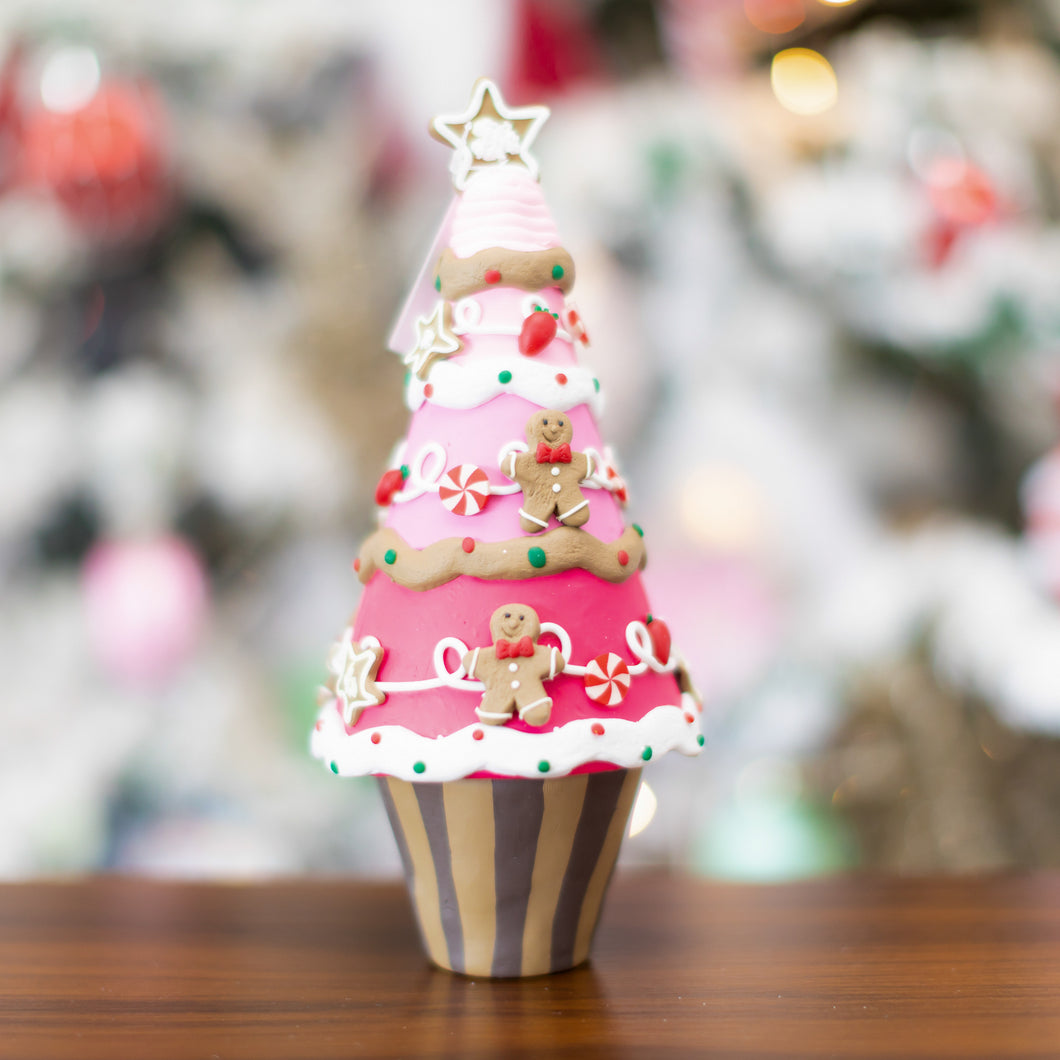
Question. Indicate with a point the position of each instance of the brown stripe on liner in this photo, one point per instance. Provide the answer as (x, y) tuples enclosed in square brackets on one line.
[(432, 810), (423, 885), (563, 800), (395, 826), (594, 895), (601, 799), (469, 820), (518, 808)]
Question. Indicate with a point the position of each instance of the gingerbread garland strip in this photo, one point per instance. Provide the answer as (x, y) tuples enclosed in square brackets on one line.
[(516, 559), (529, 270)]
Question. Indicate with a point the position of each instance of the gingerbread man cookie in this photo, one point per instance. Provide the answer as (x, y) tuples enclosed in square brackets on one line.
[(514, 668), (550, 473)]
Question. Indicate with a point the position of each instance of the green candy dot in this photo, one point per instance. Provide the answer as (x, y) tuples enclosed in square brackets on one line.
[(537, 557), (418, 767), (543, 766), (505, 376), (557, 272), (646, 754), (404, 471), (596, 385), (334, 767), (701, 739), (390, 555), (638, 529), (437, 283)]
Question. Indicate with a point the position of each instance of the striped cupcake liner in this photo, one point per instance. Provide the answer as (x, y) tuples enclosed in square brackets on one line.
[(507, 877)]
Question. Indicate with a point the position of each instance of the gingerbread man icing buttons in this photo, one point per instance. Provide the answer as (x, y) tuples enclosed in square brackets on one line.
[(550, 474), (514, 668)]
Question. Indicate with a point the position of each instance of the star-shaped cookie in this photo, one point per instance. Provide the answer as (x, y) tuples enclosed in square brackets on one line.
[(488, 133), (354, 666), (435, 340)]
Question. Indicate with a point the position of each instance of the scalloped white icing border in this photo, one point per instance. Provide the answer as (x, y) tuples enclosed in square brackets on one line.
[(509, 752), (466, 386)]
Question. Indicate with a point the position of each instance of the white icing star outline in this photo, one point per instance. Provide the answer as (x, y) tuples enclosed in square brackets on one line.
[(435, 339), (489, 133), (354, 665)]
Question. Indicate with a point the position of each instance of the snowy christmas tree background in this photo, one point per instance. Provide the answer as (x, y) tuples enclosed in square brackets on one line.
[(817, 246)]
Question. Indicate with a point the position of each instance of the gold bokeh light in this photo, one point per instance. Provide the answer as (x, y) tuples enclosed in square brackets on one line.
[(803, 81)]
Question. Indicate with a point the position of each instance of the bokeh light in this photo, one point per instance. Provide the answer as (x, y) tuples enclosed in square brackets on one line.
[(775, 16), (803, 81), (70, 78)]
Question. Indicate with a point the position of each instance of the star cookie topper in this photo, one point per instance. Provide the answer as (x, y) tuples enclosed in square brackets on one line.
[(435, 340), (489, 133), (354, 666)]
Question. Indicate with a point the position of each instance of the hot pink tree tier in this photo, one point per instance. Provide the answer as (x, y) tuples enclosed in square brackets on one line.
[(503, 629)]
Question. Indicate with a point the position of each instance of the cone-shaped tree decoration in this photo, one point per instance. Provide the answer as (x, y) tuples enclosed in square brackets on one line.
[(502, 668)]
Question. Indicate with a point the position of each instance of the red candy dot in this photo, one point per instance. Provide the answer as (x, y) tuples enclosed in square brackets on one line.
[(623, 557), (376, 737), (699, 708), (689, 718), (597, 729), (357, 563), (561, 379), (492, 276), (477, 734), (428, 390), (319, 725), (468, 544)]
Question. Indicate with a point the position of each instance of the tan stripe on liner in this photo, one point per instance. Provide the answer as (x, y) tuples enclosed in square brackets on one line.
[(425, 882), (594, 894), (469, 822), (563, 807)]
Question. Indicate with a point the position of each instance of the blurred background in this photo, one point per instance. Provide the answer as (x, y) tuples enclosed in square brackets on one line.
[(818, 247)]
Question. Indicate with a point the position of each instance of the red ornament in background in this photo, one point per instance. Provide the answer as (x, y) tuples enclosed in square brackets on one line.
[(963, 197), (106, 160), (554, 47), (538, 330), (10, 115)]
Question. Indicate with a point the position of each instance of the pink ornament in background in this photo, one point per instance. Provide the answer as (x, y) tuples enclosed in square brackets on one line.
[(146, 602), (725, 612), (1041, 506)]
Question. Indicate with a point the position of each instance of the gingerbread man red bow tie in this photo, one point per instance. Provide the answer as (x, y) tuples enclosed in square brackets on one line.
[(547, 455), (510, 649)]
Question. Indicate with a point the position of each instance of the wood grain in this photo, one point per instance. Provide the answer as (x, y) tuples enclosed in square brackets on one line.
[(850, 967)]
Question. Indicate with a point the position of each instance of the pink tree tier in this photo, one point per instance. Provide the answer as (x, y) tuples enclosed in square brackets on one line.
[(503, 630)]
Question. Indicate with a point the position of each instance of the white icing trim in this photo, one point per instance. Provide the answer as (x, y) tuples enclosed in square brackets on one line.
[(468, 385), (637, 637), (428, 466), (504, 750), (467, 319)]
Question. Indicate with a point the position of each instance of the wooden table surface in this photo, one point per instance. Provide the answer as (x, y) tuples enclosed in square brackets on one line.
[(848, 967)]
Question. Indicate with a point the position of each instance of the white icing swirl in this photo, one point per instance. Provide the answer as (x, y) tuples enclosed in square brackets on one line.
[(503, 750), (466, 386)]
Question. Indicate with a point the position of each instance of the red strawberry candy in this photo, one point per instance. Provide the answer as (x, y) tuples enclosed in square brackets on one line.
[(659, 632), (389, 484), (539, 329)]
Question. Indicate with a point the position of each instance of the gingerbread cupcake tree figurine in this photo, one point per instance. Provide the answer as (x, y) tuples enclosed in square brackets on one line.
[(472, 707)]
